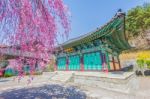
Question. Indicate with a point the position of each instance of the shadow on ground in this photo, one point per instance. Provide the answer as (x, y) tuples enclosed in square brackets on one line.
[(44, 92)]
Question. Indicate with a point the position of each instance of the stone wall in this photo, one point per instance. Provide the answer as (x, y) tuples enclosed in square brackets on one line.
[(125, 84)]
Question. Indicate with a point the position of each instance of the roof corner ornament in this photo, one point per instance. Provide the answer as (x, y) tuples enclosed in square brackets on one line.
[(119, 12)]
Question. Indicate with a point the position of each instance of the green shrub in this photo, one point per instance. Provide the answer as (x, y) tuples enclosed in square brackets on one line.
[(9, 72), (8, 75), (148, 64), (140, 63)]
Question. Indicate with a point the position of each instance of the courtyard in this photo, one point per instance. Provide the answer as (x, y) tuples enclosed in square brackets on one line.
[(43, 87)]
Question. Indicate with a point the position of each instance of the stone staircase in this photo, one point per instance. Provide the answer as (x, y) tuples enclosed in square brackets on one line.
[(62, 76)]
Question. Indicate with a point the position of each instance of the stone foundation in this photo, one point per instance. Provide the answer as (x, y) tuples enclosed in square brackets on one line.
[(125, 82)]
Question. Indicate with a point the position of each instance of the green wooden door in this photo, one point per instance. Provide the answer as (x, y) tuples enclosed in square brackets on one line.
[(61, 63), (74, 62), (92, 61)]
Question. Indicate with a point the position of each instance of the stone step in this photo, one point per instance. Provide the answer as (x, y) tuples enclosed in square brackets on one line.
[(62, 77)]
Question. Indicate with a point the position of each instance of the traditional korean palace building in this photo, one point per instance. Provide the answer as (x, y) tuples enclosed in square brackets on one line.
[(96, 51)]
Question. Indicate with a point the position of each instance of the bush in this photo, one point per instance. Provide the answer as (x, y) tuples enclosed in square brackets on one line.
[(8, 75), (9, 72), (140, 63), (148, 64)]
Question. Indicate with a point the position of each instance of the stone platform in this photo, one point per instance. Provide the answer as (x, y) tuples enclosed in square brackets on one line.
[(125, 82)]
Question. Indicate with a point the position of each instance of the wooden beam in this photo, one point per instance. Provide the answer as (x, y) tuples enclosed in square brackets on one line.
[(81, 63), (113, 62), (67, 63)]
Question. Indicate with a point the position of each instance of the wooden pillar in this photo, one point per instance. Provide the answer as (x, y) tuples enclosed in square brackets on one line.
[(67, 63), (102, 55), (119, 63), (102, 59), (81, 63), (55, 64), (107, 60), (104, 62), (113, 62)]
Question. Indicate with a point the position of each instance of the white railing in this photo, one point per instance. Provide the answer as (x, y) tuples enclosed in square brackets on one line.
[(10, 51)]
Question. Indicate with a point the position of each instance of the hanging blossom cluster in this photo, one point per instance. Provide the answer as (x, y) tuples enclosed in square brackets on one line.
[(31, 26)]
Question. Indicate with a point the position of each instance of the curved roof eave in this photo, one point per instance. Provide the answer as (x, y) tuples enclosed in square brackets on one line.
[(73, 41)]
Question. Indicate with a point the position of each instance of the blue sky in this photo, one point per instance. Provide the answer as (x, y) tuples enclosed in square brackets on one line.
[(87, 15)]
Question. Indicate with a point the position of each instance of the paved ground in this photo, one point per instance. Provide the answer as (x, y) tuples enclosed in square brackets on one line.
[(12, 89), (44, 92), (37, 87)]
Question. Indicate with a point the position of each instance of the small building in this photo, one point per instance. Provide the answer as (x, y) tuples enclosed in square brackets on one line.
[(96, 51)]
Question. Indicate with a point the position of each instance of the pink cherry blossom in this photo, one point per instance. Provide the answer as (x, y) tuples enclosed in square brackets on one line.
[(31, 26)]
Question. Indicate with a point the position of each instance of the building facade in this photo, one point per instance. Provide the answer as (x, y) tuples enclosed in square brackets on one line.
[(96, 51)]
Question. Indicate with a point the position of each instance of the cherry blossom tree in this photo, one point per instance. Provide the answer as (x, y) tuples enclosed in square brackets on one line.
[(32, 26)]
